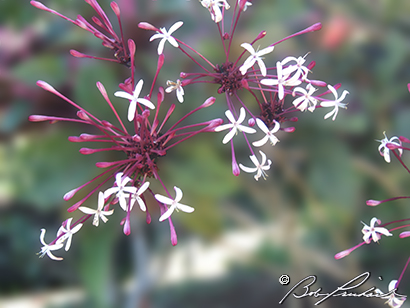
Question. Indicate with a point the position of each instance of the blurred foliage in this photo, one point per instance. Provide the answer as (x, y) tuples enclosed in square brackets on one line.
[(311, 204)]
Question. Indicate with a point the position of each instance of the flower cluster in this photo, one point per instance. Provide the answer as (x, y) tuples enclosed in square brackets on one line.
[(279, 91), (374, 232)]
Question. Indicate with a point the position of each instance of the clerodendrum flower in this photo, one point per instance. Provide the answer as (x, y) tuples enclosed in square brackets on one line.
[(336, 103), (394, 300), (165, 36), (259, 168), (307, 101), (235, 126), (256, 56), (214, 8), (48, 248), (134, 99), (177, 86), (99, 212), (372, 232), (174, 204), (269, 133), (66, 233), (384, 150), (121, 190)]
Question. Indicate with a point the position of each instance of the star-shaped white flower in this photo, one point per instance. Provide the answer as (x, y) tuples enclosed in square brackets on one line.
[(67, 233), (269, 133), (235, 125), (372, 232), (174, 204), (306, 101), (256, 56), (213, 8), (121, 190), (336, 103), (298, 68), (165, 35), (176, 86), (137, 197), (134, 99), (47, 249), (259, 167), (99, 212), (282, 81), (384, 150), (394, 300)]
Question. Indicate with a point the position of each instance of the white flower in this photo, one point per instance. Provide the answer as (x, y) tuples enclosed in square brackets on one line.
[(384, 150), (235, 125), (98, 213), (47, 249), (121, 189), (165, 35), (336, 103), (174, 204), (282, 81), (213, 8), (306, 101), (394, 300), (298, 68), (246, 4), (137, 196), (134, 99), (374, 232), (269, 133), (176, 86), (255, 57), (67, 233), (259, 167)]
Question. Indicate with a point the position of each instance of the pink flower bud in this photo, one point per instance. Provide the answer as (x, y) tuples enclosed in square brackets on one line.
[(404, 234), (245, 84), (148, 218), (78, 54), (183, 75), (131, 47), (127, 226), (76, 206), (260, 35), (311, 65), (136, 138), (115, 8), (87, 151), (147, 26), (71, 193), (289, 129), (75, 139), (342, 254), (294, 119), (209, 102), (373, 202), (38, 118), (318, 83), (45, 86), (235, 168), (105, 164), (251, 122), (404, 139), (82, 115), (87, 137)]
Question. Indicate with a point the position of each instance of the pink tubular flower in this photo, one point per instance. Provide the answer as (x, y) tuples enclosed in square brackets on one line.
[(103, 30)]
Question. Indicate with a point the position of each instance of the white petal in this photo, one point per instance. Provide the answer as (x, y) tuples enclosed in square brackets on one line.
[(262, 67), (175, 27), (167, 214), (146, 102), (242, 115), (131, 110), (229, 136), (161, 46), (223, 127), (263, 127), (156, 36), (124, 94), (164, 199), (185, 208), (247, 169), (230, 116), (261, 142), (248, 47), (246, 129), (178, 195)]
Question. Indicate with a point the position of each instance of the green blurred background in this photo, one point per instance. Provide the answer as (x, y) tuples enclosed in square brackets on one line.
[(243, 234)]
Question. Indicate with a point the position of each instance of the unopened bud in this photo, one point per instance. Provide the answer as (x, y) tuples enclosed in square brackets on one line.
[(136, 138), (251, 122), (147, 26), (404, 234), (404, 139), (294, 119), (373, 202), (82, 115), (289, 129), (45, 86), (209, 102), (311, 65), (105, 164), (87, 151), (38, 118), (183, 75), (318, 83), (115, 8)]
